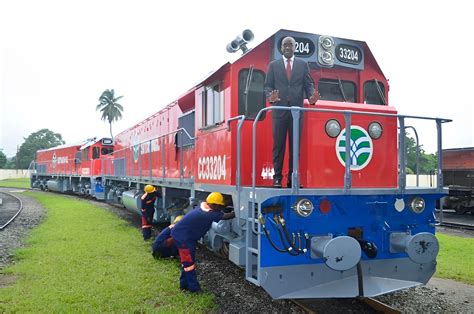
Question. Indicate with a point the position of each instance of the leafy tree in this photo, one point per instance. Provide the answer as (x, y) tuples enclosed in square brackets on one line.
[(111, 110), (3, 159), (41, 139), (11, 163), (427, 162)]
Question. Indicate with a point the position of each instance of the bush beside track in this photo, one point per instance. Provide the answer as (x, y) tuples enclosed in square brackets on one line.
[(85, 259)]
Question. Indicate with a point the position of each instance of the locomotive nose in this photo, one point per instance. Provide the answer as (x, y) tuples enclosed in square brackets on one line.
[(340, 253)]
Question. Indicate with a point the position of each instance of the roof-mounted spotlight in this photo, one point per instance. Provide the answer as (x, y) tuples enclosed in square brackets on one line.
[(240, 42)]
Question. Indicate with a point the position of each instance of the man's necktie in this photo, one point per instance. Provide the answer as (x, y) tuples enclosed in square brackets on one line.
[(288, 69)]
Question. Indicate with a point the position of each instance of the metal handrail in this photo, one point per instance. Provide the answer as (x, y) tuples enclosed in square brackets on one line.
[(417, 158), (161, 137), (347, 116), (238, 187)]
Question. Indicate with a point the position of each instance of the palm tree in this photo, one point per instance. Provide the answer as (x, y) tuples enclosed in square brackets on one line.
[(111, 110)]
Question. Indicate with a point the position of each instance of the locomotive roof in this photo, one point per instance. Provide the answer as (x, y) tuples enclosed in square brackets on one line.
[(60, 147), (189, 94), (92, 141), (280, 33), (81, 145)]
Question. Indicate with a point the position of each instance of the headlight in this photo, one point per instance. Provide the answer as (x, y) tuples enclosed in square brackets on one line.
[(375, 130), (304, 207), (326, 42), (326, 58), (417, 205), (333, 128)]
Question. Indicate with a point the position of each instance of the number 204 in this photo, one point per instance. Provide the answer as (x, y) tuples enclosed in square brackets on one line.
[(302, 47)]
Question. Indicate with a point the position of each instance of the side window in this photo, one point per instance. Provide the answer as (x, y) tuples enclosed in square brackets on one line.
[(186, 121), (78, 157), (85, 154), (212, 100), (95, 152), (106, 151), (253, 101), (337, 90), (374, 95)]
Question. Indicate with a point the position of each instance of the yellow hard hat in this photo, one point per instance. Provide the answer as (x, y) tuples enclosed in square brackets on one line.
[(149, 188), (178, 218), (215, 198)]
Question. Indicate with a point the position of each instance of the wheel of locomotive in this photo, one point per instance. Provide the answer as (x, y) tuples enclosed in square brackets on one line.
[(224, 250), (461, 210)]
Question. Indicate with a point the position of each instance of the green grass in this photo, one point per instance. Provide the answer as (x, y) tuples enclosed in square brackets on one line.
[(22, 183), (85, 259), (456, 258)]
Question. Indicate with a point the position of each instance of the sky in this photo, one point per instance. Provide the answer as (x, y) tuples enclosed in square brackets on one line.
[(57, 57)]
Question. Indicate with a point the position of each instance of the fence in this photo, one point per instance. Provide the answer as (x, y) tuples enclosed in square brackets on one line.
[(14, 173)]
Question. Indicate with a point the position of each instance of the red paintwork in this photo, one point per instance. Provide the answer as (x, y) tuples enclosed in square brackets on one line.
[(65, 161), (458, 159), (212, 159), (150, 132)]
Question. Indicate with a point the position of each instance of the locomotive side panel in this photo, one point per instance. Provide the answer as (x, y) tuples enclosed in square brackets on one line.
[(59, 160), (213, 153), (257, 61)]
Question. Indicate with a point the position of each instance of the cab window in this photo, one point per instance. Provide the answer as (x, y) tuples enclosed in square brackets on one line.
[(85, 154), (78, 157), (106, 151), (251, 92), (212, 100), (95, 152), (374, 93), (337, 90)]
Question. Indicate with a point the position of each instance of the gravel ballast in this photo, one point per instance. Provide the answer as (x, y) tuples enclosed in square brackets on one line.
[(234, 294)]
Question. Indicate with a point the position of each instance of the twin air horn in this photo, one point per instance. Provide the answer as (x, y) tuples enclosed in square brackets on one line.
[(240, 42)]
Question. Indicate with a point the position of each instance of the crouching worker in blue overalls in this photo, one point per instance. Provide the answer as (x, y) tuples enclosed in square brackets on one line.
[(148, 210), (164, 244), (190, 229)]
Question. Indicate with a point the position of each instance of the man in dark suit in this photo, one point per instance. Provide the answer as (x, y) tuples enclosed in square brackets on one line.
[(288, 81)]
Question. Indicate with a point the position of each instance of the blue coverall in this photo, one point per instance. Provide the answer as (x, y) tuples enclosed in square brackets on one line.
[(164, 244), (148, 210), (186, 233)]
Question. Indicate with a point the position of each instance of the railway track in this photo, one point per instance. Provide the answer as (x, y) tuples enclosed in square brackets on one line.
[(457, 225), (360, 304), (10, 208)]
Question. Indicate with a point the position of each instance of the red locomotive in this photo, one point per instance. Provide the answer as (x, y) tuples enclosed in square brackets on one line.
[(354, 229), (80, 163)]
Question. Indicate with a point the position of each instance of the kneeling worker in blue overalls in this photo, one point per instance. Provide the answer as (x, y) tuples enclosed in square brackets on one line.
[(148, 209), (164, 245), (190, 229)]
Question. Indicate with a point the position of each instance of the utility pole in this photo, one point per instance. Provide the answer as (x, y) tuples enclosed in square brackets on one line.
[(17, 158)]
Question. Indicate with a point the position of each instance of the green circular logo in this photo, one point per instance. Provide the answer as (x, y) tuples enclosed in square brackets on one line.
[(361, 148)]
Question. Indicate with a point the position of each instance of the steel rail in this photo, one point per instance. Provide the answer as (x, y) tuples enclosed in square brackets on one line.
[(457, 225), (303, 306), (379, 306), (16, 214)]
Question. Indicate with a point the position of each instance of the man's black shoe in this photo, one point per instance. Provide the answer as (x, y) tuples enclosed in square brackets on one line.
[(277, 183), (288, 184)]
